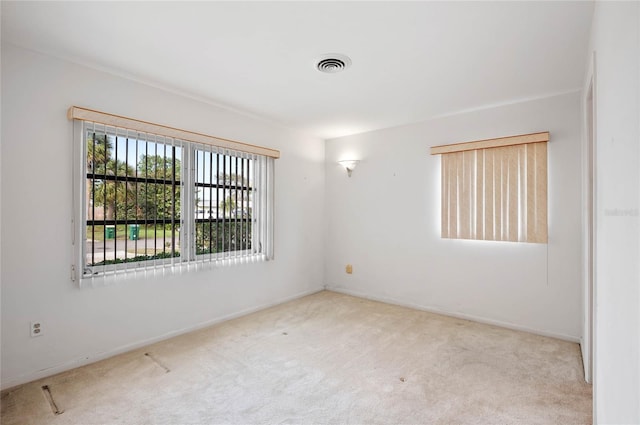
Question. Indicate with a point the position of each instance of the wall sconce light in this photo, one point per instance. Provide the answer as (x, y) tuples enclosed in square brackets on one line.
[(349, 165)]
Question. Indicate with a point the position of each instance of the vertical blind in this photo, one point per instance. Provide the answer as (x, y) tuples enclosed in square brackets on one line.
[(495, 189)]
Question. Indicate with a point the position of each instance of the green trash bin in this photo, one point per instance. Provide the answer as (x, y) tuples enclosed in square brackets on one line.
[(134, 230), (110, 232)]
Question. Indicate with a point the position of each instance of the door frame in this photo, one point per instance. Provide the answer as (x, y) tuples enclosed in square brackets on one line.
[(589, 196)]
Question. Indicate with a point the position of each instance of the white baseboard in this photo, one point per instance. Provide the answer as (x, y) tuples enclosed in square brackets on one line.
[(96, 357), (470, 317)]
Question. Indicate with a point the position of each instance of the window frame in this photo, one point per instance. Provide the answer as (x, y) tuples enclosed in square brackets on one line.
[(128, 265), (261, 224)]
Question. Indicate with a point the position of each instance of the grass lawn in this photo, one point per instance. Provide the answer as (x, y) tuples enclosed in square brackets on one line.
[(144, 232)]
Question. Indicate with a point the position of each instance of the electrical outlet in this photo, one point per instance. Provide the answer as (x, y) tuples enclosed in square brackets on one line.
[(349, 269), (36, 328)]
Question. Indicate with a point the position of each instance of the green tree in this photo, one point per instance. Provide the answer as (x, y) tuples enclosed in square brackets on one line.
[(98, 153), (159, 200), (117, 197)]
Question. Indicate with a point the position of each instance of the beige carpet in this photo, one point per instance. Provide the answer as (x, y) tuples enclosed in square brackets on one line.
[(326, 358)]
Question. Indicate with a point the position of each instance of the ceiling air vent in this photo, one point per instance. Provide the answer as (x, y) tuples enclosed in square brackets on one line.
[(332, 63)]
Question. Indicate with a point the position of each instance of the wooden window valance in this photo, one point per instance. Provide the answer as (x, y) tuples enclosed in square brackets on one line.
[(85, 114)]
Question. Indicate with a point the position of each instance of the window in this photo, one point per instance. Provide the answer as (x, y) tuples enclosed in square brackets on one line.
[(495, 189), (148, 201)]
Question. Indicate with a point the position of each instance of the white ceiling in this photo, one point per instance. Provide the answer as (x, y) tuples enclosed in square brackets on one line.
[(411, 60)]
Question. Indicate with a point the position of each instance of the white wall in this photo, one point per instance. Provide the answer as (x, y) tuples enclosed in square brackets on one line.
[(615, 38), (385, 221), (81, 325)]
